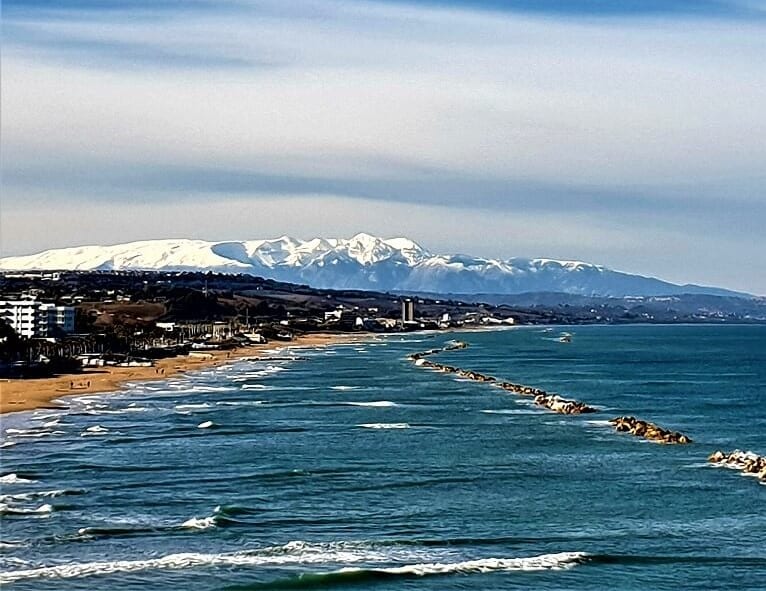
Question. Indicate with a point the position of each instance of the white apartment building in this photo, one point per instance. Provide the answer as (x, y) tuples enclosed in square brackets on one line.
[(30, 318)]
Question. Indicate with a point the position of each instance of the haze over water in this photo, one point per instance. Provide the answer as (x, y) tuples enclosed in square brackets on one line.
[(349, 457)]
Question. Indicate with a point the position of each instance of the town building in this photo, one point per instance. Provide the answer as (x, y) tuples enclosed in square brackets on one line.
[(30, 318), (408, 310)]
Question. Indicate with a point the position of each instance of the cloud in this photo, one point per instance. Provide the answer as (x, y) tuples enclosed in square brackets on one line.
[(518, 110)]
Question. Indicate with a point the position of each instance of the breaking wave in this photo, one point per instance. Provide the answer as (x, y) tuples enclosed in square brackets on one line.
[(6, 509), (42, 494), (200, 522), (356, 575), (299, 553), (184, 408), (94, 430), (14, 478), (32, 432), (384, 425)]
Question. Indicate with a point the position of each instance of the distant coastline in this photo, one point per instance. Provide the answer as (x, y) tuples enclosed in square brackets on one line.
[(18, 395)]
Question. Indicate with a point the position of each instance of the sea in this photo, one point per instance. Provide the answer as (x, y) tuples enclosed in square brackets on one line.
[(348, 466)]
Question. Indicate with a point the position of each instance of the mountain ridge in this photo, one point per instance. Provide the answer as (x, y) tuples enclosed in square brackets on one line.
[(360, 262)]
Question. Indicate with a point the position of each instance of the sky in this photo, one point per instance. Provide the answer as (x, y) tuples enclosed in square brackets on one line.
[(630, 133)]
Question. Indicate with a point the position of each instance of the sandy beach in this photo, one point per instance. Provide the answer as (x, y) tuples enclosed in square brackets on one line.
[(19, 395)]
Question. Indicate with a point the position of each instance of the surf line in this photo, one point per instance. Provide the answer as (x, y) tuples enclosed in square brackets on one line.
[(552, 402)]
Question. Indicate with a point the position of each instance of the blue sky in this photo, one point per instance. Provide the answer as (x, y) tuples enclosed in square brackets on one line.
[(629, 134)]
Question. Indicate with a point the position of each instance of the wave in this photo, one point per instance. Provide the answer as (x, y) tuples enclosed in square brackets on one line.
[(357, 575), (14, 478), (200, 388), (6, 509), (94, 430), (222, 515), (255, 387), (344, 388), (11, 545), (35, 432), (104, 532), (262, 373), (190, 407), (42, 494), (206, 425), (122, 411), (7, 444), (292, 553), (374, 403), (200, 522), (384, 425)]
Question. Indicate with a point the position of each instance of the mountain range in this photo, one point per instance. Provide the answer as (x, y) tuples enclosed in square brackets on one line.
[(360, 262)]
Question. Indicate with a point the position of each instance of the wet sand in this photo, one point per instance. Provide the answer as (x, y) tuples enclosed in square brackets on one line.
[(18, 395)]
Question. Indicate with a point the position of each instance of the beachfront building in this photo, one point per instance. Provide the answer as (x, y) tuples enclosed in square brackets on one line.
[(30, 318), (21, 316)]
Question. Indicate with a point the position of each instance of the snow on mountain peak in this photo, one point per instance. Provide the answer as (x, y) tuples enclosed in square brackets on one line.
[(363, 261)]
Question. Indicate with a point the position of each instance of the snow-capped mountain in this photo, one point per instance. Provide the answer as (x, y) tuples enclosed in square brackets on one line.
[(360, 262)]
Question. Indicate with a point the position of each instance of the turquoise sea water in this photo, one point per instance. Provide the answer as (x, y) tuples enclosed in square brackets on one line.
[(351, 467)]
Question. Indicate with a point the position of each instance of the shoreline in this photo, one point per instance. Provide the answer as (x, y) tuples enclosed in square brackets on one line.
[(18, 395)]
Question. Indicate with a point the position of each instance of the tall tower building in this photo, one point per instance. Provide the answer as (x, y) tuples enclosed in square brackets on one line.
[(408, 310)]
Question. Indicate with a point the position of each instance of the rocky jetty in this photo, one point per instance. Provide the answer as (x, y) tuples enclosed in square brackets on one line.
[(558, 404), (747, 462), (552, 402), (521, 389), (648, 430), (561, 405)]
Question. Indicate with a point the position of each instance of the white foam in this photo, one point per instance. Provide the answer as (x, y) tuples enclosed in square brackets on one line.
[(94, 430), (28, 496), (103, 411), (209, 388), (291, 553), (187, 407), (255, 387), (46, 417), (13, 478), (557, 561), (6, 509), (385, 425), (32, 433), (374, 403), (344, 388), (20, 431), (199, 522), (206, 425)]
